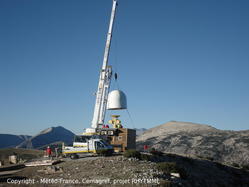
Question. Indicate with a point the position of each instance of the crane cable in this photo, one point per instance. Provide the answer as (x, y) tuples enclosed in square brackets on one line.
[(132, 122), (116, 66), (116, 54)]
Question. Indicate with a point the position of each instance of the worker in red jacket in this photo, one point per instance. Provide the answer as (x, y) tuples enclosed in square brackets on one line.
[(49, 151), (146, 148)]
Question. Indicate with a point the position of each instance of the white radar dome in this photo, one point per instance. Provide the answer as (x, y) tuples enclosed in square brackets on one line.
[(116, 100)]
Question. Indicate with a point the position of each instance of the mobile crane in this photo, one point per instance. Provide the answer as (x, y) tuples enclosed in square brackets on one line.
[(91, 140)]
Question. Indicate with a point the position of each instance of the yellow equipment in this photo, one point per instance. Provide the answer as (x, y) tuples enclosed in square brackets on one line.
[(115, 121)]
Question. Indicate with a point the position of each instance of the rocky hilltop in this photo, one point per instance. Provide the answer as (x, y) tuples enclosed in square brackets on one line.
[(200, 140)]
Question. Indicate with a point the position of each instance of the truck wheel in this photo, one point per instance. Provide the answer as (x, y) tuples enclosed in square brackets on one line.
[(74, 156)]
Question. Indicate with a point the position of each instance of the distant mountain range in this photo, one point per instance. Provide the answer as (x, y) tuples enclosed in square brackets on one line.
[(176, 137), (48, 136), (9, 140), (199, 140), (45, 137)]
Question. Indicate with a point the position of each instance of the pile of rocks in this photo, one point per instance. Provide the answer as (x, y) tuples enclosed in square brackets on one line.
[(51, 170)]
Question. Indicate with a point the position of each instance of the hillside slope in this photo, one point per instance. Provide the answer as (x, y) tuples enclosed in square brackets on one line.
[(9, 140), (48, 136), (197, 139)]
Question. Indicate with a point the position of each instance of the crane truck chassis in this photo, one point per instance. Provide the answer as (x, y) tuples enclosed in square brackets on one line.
[(87, 145), (107, 141)]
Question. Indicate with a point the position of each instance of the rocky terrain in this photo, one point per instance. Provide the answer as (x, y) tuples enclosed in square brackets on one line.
[(119, 170), (204, 141)]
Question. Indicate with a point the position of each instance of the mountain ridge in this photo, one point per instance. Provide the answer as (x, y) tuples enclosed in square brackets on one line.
[(48, 136), (198, 139), (10, 140)]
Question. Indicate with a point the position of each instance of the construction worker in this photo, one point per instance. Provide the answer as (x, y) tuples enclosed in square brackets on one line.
[(146, 148), (49, 152), (56, 152)]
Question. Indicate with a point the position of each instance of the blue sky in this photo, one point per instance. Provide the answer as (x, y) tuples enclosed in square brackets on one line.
[(177, 60)]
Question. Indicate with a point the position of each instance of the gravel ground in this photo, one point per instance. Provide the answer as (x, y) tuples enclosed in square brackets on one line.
[(93, 171), (121, 171)]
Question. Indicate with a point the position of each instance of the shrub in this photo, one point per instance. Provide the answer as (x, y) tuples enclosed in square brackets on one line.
[(132, 153), (171, 167), (210, 158), (145, 157), (245, 167), (155, 152), (167, 167), (235, 165), (172, 155), (220, 166), (188, 160)]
